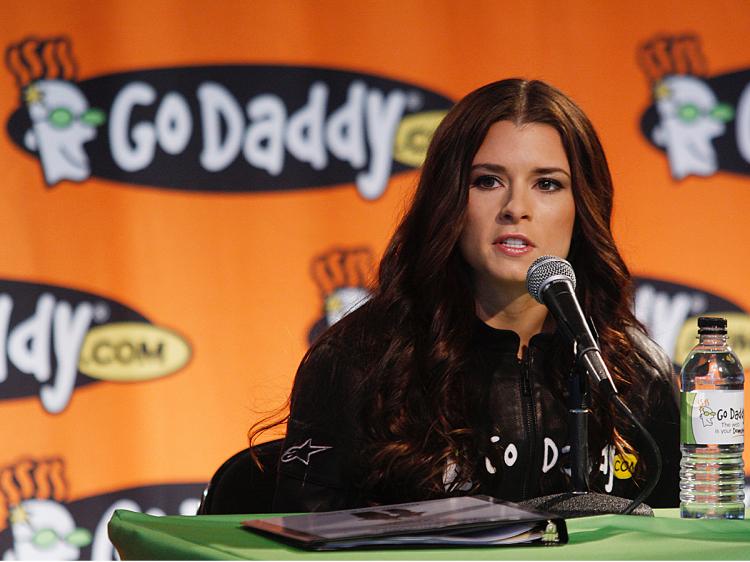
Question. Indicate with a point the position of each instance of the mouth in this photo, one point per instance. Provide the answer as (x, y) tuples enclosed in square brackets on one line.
[(78, 161), (513, 244), (699, 152)]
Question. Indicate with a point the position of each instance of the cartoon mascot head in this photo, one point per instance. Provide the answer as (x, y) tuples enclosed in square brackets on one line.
[(61, 119), (32, 493), (690, 116)]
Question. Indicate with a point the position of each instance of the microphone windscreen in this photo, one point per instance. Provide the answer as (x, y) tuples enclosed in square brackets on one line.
[(545, 270)]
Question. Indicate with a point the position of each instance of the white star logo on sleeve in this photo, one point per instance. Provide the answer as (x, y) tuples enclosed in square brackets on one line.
[(303, 452)]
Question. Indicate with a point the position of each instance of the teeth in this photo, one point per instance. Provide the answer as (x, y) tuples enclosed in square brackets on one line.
[(515, 242)]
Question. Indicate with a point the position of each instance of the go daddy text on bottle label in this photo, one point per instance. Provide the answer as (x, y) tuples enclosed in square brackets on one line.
[(713, 417)]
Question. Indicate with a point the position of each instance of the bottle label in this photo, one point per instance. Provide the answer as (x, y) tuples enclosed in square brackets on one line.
[(712, 417)]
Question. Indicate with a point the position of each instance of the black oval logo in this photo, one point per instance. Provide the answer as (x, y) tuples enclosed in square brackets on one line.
[(231, 128), (669, 310), (42, 331)]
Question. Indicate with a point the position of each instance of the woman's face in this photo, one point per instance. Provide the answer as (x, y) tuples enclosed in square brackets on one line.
[(520, 203)]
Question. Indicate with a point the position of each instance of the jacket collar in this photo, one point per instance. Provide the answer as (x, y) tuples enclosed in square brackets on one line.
[(507, 341)]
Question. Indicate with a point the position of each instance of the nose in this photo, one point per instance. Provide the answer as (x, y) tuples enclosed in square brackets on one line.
[(515, 206)]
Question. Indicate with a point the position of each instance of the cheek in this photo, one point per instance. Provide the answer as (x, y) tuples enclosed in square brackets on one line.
[(471, 235), (561, 222), (567, 226)]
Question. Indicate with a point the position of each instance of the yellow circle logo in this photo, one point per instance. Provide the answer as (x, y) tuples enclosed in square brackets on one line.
[(414, 135), (624, 465), (132, 351)]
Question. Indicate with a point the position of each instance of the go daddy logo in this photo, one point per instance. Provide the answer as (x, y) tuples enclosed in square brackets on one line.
[(54, 339), (232, 128), (701, 122)]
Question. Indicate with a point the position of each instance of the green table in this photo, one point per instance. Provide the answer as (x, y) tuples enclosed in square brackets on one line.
[(605, 537)]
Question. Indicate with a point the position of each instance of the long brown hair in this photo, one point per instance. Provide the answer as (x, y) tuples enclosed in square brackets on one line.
[(423, 305)]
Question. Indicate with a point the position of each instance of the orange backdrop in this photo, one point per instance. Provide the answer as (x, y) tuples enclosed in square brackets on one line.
[(176, 301)]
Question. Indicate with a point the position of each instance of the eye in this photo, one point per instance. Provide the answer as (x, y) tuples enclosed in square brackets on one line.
[(486, 182), (60, 117), (688, 112), (723, 112), (45, 538), (94, 117), (80, 537), (548, 184)]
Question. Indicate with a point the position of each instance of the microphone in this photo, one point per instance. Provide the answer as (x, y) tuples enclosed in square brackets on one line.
[(552, 282)]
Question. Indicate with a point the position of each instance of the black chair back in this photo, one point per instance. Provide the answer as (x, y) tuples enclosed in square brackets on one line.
[(239, 486)]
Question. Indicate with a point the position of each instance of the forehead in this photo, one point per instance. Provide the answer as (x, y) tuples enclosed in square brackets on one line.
[(59, 93), (532, 144), (684, 89)]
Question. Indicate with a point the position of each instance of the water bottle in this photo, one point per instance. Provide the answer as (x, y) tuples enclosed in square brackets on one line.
[(712, 433)]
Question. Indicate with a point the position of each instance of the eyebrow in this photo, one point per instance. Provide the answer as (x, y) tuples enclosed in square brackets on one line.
[(502, 169)]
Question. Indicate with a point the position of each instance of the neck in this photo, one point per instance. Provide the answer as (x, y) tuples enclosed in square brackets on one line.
[(512, 308)]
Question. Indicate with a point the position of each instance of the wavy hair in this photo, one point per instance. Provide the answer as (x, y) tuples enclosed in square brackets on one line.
[(423, 305)]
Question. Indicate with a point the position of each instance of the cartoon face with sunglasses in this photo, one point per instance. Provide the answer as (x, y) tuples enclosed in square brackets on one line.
[(690, 118), (61, 123), (45, 530)]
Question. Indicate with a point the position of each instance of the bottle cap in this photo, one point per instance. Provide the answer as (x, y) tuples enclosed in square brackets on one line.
[(712, 325)]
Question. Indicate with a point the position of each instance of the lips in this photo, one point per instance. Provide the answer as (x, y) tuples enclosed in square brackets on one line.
[(77, 161), (513, 244)]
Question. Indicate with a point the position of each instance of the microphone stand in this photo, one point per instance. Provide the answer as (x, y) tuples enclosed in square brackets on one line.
[(578, 430), (551, 281), (581, 502)]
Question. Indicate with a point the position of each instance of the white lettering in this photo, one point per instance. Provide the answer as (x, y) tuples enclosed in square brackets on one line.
[(511, 455), (6, 307), (54, 326), (29, 342), (360, 132), (664, 315), (264, 140), (742, 125), (189, 506), (607, 466), (487, 463), (141, 153), (69, 330), (174, 124), (450, 473), (382, 118), (217, 104), (566, 469), (304, 135), (344, 131), (548, 463)]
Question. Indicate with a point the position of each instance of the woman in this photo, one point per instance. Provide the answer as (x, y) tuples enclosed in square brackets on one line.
[(451, 378)]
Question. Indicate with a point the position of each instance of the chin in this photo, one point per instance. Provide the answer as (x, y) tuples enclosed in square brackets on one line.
[(511, 278)]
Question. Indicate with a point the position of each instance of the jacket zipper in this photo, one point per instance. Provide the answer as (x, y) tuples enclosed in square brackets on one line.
[(528, 398)]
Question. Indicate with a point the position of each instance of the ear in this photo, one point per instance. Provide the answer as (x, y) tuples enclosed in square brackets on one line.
[(29, 140)]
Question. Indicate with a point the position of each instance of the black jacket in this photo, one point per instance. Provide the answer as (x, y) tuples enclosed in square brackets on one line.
[(520, 414)]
